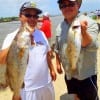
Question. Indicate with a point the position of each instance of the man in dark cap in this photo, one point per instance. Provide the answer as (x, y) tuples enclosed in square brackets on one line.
[(83, 81), (29, 13)]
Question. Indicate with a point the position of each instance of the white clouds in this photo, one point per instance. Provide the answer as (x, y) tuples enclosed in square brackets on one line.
[(91, 1), (11, 7), (90, 5)]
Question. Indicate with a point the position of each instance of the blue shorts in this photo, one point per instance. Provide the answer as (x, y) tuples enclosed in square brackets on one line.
[(85, 89)]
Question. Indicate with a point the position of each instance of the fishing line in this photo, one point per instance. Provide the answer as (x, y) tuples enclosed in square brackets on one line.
[(95, 88)]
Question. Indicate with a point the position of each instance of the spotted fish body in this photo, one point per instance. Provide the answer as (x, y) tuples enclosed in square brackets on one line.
[(73, 45), (17, 59)]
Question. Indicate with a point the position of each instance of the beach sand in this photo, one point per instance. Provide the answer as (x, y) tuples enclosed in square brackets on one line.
[(59, 86)]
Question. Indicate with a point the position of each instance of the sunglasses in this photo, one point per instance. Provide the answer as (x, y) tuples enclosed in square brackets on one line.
[(67, 5), (31, 16)]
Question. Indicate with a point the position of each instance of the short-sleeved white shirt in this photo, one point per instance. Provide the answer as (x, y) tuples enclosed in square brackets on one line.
[(37, 74)]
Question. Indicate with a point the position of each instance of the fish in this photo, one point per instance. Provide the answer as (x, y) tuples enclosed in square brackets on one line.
[(73, 48), (17, 59)]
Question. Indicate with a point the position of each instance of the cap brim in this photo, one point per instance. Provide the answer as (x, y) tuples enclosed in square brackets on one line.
[(36, 9), (79, 1)]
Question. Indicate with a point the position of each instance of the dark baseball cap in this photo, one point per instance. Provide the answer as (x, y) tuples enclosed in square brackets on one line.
[(61, 1), (30, 5)]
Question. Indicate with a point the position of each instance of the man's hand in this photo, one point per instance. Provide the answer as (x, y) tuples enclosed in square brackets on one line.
[(84, 26), (59, 65), (53, 75), (16, 97), (86, 38)]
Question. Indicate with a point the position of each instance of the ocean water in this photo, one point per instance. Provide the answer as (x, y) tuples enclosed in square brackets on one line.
[(8, 27)]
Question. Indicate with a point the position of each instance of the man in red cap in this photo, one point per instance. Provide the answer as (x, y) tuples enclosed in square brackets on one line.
[(46, 26)]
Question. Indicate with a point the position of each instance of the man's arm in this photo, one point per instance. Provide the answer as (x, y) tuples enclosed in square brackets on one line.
[(50, 64), (55, 49)]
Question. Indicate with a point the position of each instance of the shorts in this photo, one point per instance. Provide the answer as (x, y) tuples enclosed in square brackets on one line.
[(85, 89), (43, 93)]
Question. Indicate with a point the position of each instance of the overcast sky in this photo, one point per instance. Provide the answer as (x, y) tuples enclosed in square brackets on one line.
[(10, 8)]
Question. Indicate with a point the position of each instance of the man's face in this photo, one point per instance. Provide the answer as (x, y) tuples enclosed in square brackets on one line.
[(69, 9), (30, 16)]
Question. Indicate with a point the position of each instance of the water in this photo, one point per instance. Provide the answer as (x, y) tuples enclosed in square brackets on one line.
[(8, 27), (55, 21)]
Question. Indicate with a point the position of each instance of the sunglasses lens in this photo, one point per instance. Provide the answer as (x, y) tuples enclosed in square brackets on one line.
[(71, 4), (65, 5), (27, 15), (31, 16)]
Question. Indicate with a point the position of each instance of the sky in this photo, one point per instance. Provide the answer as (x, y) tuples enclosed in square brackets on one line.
[(9, 8)]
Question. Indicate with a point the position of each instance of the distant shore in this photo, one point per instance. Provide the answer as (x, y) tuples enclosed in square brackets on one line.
[(13, 18)]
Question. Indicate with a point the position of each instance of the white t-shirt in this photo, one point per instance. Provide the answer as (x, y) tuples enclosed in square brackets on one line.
[(8, 39), (37, 73)]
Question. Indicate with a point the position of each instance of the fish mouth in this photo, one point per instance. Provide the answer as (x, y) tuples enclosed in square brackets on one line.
[(29, 27), (75, 27)]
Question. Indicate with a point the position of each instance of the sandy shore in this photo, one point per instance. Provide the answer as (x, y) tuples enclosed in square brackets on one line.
[(59, 86)]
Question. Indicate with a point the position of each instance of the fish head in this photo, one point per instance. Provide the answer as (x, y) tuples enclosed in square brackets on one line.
[(28, 28), (76, 26), (24, 40)]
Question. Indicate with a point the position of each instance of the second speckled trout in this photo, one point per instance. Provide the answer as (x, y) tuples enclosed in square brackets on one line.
[(73, 45)]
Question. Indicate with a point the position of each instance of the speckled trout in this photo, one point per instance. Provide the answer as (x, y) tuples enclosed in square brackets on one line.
[(17, 59), (73, 45)]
